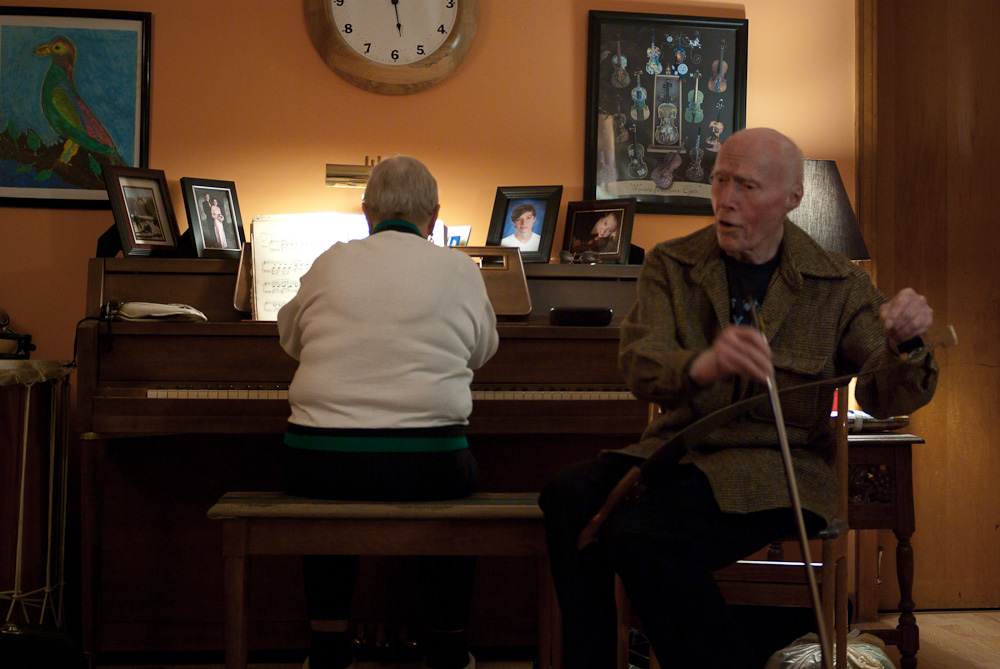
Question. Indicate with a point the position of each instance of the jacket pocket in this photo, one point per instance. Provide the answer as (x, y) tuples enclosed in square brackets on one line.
[(800, 408)]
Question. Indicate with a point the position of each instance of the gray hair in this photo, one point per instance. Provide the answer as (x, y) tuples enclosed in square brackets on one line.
[(401, 188)]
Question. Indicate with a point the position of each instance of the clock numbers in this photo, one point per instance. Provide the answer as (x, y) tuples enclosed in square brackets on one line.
[(394, 34)]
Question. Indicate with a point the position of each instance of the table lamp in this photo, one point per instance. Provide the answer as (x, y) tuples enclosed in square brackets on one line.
[(825, 212)]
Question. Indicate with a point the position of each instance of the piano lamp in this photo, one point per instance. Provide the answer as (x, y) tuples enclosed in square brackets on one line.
[(350, 176), (825, 212)]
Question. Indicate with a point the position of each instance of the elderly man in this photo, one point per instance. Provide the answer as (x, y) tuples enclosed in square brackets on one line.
[(387, 331), (687, 345)]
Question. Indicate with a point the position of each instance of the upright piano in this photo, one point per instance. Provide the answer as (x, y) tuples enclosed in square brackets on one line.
[(172, 415)]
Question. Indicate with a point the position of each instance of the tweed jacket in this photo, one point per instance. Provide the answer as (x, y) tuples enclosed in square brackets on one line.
[(820, 316)]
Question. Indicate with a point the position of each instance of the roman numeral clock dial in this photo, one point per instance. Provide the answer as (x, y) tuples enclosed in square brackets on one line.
[(392, 47)]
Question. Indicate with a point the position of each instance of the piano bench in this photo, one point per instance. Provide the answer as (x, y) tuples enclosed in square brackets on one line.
[(269, 523)]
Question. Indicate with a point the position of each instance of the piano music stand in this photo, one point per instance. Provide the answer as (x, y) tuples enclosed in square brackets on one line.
[(503, 273)]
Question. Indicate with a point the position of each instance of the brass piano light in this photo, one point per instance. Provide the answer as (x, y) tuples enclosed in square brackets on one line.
[(350, 176)]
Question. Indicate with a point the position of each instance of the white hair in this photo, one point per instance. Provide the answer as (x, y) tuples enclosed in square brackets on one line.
[(401, 188)]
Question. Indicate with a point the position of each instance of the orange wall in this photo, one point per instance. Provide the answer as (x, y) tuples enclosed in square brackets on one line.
[(239, 94)]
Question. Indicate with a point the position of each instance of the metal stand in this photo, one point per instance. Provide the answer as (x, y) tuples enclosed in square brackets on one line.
[(47, 597)]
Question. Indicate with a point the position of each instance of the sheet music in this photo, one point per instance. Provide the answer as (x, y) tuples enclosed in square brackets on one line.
[(284, 247)]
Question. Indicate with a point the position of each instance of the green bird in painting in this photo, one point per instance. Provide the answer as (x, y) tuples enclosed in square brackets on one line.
[(65, 110)]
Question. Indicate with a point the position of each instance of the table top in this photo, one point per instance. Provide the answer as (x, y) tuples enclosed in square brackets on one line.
[(27, 372)]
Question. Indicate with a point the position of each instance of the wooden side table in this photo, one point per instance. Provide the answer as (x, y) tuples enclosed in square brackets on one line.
[(880, 480)]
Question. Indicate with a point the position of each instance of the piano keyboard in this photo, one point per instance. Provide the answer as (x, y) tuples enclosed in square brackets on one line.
[(217, 394), (561, 395), (492, 395)]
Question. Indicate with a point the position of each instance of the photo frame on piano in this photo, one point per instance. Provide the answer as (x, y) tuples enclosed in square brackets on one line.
[(599, 227), (213, 213), (524, 217), (143, 211)]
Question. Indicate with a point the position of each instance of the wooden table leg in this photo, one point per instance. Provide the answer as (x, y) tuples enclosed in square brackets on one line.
[(909, 633)]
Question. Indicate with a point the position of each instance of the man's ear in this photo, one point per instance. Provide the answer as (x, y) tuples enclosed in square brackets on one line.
[(367, 213), (432, 220), (795, 197)]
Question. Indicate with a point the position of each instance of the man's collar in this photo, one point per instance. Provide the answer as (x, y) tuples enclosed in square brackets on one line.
[(397, 225), (798, 252)]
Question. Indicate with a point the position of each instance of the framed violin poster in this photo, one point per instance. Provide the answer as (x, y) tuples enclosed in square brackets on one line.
[(663, 93)]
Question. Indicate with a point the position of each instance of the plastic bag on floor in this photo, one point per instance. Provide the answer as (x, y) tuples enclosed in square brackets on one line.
[(864, 651)]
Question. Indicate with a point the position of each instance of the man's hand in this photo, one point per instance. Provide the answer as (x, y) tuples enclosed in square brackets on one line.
[(739, 350), (906, 316)]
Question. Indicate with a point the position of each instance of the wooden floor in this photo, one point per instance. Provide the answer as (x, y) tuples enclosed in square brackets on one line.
[(948, 640), (954, 639)]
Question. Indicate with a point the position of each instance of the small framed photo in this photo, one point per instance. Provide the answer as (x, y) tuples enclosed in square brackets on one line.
[(143, 213), (600, 227), (524, 217), (214, 217), (458, 235)]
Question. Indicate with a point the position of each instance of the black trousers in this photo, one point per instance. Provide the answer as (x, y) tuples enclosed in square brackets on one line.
[(664, 544), (445, 581)]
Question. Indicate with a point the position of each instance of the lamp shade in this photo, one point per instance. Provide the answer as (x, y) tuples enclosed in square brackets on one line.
[(825, 212)]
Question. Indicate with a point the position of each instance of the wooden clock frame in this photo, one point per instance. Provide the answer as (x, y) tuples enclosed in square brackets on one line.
[(390, 79)]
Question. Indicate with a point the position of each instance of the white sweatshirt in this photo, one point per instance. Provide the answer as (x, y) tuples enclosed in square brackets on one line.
[(387, 331)]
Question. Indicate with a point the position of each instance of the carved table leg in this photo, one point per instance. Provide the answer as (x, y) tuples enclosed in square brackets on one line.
[(909, 633)]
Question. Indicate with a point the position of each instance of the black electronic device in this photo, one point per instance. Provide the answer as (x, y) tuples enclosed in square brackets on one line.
[(582, 316)]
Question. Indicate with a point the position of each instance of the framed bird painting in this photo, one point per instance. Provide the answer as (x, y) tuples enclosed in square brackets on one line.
[(74, 100)]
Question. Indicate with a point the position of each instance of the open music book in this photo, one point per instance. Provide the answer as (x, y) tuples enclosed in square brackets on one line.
[(283, 248)]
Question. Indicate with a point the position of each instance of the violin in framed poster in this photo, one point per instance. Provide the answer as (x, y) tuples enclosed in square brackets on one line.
[(663, 93)]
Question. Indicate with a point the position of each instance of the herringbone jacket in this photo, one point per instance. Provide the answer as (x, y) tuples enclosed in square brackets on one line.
[(820, 316)]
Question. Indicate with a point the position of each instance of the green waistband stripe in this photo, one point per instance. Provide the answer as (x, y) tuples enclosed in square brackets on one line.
[(372, 444)]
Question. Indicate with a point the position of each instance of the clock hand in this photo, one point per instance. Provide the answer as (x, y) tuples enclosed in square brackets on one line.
[(395, 5)]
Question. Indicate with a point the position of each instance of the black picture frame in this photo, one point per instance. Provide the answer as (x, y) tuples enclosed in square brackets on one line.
[(111, 73), (581, 236), (651, 135), (545, 202), (143, 211), (222, 203)]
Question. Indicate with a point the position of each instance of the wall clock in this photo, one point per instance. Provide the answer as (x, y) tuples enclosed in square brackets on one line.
[(392, 47)]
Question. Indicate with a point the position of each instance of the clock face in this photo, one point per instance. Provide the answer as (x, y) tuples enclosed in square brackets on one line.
[(394, 32), (392, 47)]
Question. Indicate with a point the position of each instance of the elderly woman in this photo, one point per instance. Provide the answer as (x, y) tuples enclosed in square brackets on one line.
[(387, 331)]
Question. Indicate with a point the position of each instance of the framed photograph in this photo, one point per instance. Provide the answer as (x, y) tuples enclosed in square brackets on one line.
[(458, 235), (600, 227), (214, 217), (74, 98), (524, 217), (143, 213), (663, 93)]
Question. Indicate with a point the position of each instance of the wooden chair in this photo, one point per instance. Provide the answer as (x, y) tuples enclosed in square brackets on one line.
[(776, 582)]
